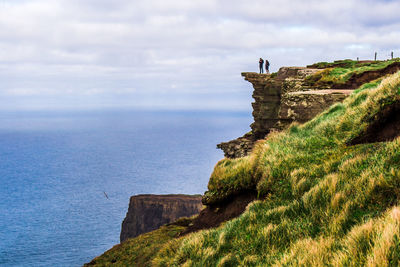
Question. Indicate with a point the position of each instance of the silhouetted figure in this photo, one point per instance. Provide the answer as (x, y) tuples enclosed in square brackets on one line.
[(261, 63), (266, 66)]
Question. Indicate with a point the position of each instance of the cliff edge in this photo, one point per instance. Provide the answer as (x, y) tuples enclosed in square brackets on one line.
[(148, 212), (322, 193), (280, 99), (298, 94)]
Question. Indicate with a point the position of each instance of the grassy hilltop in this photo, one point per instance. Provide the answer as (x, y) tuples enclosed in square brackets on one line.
[(328, 192)]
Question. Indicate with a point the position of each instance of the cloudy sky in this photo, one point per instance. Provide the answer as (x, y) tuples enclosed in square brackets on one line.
[(170, 54)]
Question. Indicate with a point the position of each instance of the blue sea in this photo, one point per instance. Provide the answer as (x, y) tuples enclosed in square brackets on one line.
[(56, 167)]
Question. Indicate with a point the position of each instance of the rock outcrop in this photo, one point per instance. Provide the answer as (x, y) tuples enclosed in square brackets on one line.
[(281, 99), (239, 147), (149, 212)]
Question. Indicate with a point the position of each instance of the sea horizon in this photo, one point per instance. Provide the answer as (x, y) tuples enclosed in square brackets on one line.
[(56, 166)]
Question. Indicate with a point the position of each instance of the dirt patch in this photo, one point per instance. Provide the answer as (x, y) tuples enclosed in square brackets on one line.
[(359, 79), (385, 127), (213, 216)]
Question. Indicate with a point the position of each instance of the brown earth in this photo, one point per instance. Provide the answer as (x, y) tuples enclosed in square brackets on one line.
[(213, 216), (359, 79), (385, 127)]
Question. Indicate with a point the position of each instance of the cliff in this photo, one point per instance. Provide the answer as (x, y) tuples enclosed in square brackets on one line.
[(149, 212), (328, 191), (298, 94), (281, 99), (322, 193)]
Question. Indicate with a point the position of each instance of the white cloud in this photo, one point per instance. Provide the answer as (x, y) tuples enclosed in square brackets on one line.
[(184, 48)]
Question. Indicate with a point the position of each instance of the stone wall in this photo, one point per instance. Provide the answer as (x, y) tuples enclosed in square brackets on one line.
[(281, 99), (149, 212)]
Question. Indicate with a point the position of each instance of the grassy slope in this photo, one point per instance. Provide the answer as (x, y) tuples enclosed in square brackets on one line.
[(138, 251), (340, 72), (326, 202)]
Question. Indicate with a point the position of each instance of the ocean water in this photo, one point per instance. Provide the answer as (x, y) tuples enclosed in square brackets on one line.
[(56, 166)]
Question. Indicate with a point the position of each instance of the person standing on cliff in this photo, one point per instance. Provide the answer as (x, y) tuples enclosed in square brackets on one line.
[(261, 62), (266, 66)]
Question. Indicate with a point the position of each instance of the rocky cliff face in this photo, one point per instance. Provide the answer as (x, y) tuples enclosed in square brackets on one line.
[(149, 212), (281, 99)]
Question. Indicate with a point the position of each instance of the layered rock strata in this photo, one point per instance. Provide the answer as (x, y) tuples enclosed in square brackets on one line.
[(239, 147), (281, 99), (149, 212)]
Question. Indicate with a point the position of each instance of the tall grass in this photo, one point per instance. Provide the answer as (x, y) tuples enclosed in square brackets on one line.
[(324, 202), (138, 251)]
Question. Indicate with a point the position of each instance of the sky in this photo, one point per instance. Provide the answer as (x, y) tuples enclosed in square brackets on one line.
[(174, 55)]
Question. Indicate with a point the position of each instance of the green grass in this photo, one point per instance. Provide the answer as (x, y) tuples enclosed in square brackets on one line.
[(339, 72), (140, 250), (324, 203), (324, 65), (346, 63)]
